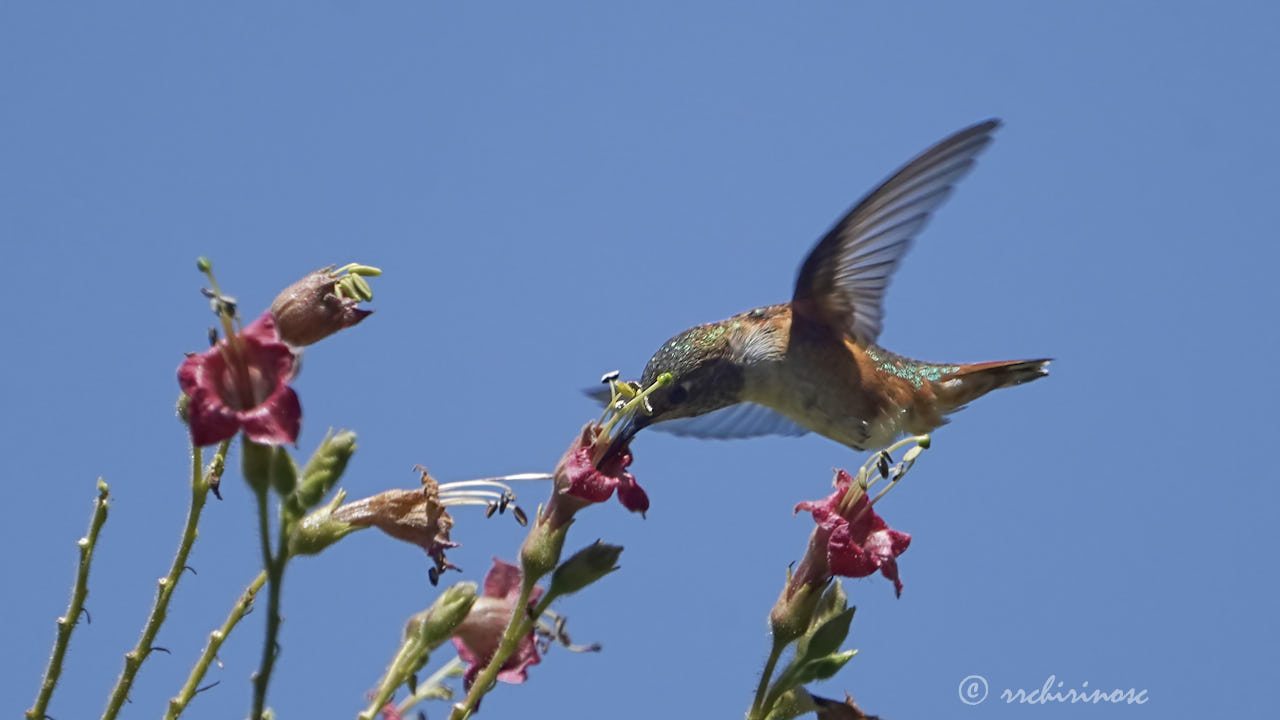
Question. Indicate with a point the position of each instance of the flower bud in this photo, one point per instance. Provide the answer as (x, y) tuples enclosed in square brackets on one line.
[(323, 470), (585, 567), (322, 303), (436, 624)]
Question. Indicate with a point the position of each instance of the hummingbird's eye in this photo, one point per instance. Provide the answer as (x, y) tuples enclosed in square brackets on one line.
[(678, 394)]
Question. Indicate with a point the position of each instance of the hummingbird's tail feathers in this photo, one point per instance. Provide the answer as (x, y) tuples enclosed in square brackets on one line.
[(973, 381)]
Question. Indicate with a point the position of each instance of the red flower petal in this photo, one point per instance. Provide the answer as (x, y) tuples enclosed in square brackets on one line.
[(276, 421), (252, 395)]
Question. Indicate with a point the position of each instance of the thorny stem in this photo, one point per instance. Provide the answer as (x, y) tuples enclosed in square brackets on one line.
[(274, 567), (521, 624), (758, 710), (68, 622), (179, 703), (133, 659)]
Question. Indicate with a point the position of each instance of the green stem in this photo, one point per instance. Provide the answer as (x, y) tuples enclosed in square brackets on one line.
[(68, 622), (395, 677), (757, 706), (179, 703), (433, 687), (274, 567), (521, 624), (135, 657)]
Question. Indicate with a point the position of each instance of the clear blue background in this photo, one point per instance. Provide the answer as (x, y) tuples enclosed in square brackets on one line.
[(555, 188)]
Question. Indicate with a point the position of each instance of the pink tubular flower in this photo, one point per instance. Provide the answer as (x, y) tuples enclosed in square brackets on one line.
[(579, 477), (242, 383), (479, 635), (859, 541)]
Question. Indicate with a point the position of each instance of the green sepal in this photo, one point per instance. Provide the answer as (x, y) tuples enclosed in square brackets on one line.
[(541, 549), (828, 636), (822, 668), (256, 463), (319, 530), (833, 602), (792, 704), (284, 473)]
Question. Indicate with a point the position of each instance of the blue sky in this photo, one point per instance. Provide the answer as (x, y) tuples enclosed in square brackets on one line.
[(553, 190)]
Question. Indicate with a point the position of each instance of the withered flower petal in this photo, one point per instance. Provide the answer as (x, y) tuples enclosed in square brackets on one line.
[(310, 310), (415, 516)]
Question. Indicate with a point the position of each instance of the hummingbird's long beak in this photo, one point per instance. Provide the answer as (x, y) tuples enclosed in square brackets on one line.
[(622, 440)]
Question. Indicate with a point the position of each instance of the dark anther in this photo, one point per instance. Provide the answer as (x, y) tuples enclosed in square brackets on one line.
[(88, 619), (413, 683), (161, 649), (520, 516), (503, 502), (433, 575), (213, 336), (188, 567), (559, 628), (491, 509), (210, 686), (882, 462), (215, 482), (610, 377)]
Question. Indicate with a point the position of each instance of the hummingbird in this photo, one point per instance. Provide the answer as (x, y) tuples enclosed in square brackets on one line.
[(812, 364)]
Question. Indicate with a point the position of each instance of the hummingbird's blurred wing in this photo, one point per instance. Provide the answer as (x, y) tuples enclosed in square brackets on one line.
[(844, 278), (736, 421)]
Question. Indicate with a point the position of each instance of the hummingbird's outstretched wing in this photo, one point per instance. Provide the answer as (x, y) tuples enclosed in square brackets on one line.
[(845, 276), (736, 421)]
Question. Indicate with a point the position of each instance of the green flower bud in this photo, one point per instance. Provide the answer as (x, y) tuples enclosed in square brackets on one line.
[(436, 624), (585, 567), (324, 469)]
